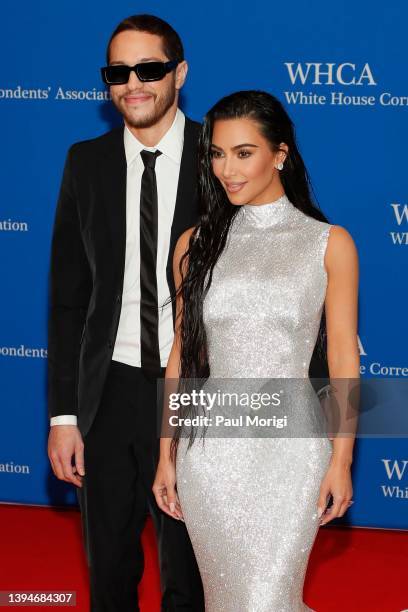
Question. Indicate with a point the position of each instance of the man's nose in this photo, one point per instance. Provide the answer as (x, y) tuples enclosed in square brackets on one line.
[(133, 80)]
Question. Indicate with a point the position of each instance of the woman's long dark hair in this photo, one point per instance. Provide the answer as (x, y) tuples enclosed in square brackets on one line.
[(209, 236)]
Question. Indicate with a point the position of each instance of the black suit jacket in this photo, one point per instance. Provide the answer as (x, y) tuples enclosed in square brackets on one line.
[(88, 262), (87, 268)]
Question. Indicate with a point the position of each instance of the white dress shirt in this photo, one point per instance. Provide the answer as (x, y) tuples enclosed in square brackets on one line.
[(127, 344)]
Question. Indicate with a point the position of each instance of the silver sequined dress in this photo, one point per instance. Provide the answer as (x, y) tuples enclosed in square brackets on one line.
[(250, 504)]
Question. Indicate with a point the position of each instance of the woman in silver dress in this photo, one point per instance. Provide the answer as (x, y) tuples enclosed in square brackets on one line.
[(260, 279)]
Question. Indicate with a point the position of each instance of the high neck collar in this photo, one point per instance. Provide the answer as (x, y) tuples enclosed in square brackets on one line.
[(265, 215)]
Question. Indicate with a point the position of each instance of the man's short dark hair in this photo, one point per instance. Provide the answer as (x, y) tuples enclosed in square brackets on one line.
[(172, 45)]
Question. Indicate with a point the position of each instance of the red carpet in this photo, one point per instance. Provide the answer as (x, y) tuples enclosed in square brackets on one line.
[(350, 570)]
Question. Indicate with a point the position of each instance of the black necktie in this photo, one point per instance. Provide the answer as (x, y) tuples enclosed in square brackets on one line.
[(149, 315)]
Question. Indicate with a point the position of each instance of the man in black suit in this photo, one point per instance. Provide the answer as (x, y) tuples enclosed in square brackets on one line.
[(125, 199)]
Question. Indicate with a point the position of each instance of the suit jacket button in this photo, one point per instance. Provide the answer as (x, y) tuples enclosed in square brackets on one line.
[(110, 343), (118, 297)]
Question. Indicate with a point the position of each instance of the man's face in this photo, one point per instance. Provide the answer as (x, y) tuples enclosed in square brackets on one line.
[(143, 104)]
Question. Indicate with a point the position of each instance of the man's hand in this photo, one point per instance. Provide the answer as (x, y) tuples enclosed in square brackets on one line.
[(64, 442)]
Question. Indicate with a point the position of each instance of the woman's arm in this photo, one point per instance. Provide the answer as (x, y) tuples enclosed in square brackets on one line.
[(165, 481), (341, 308)]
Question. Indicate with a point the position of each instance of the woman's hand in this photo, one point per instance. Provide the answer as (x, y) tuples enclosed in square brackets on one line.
[(164, 489), (337, 482)]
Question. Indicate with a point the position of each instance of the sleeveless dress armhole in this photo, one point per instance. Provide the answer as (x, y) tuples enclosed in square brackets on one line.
[(324, 243)]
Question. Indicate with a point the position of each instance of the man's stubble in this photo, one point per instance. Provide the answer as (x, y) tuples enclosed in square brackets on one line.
[(159, 111)]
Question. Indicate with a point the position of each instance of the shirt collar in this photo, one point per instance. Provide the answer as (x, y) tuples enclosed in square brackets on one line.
[(170, 145)]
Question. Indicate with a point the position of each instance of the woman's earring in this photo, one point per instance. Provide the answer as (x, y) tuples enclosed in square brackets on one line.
[(279, 166)]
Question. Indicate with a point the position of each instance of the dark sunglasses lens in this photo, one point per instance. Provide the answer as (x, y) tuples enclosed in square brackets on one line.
[(151, 71), (116, 75)]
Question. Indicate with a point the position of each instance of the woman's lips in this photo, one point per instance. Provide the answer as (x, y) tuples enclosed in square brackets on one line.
[(234, 187)]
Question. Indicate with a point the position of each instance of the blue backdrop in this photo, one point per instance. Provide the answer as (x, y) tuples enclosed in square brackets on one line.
[(340, 69)]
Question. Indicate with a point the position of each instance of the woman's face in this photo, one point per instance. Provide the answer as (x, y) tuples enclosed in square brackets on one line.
[(242, 160)]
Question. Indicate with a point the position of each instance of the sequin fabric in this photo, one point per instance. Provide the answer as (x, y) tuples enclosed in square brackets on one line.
[(250, 505)]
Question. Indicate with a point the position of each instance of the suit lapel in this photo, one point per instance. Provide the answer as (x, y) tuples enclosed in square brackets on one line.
[(113, 179), (185, 212), (186, 208)]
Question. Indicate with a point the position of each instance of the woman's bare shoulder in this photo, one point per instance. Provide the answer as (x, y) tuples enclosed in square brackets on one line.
[(341, 248)]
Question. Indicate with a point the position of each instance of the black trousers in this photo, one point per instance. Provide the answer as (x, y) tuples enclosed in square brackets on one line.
[(121, 453)]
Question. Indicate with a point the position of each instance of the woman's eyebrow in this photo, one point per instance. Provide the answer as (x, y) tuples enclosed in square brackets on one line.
[(245, 144)]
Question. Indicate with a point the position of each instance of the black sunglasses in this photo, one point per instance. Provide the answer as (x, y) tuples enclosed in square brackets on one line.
[(119, 74)]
